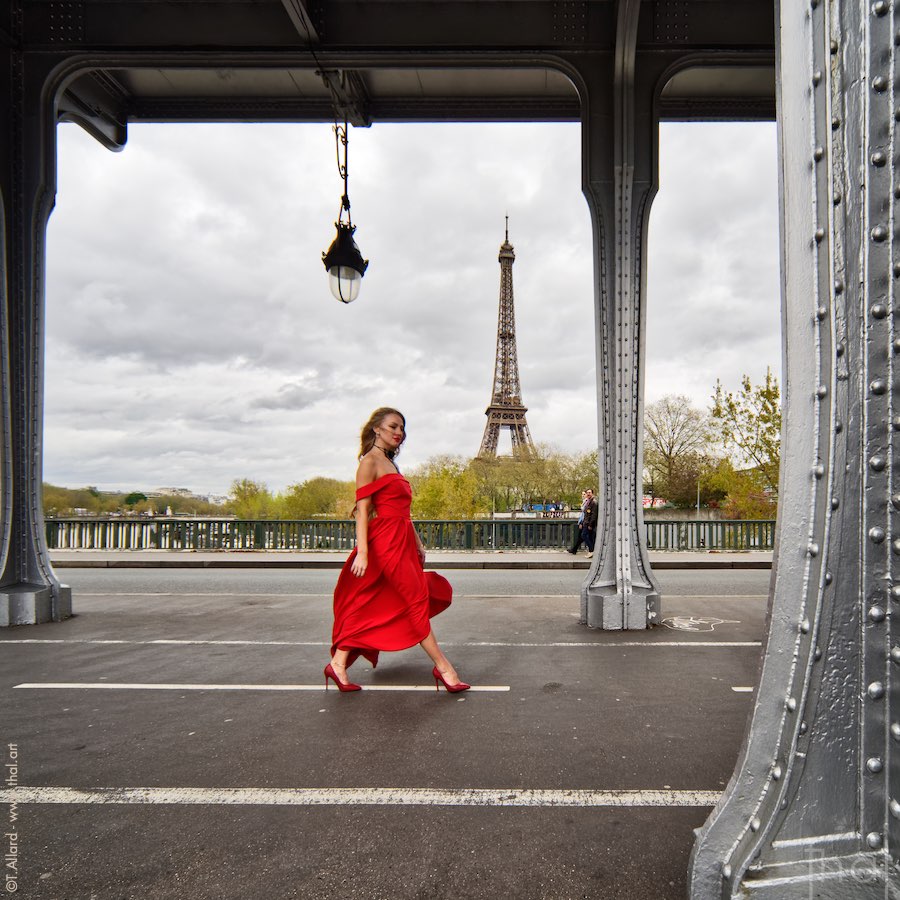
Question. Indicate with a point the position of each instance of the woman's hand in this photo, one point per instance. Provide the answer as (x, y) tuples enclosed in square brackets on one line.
[(421, 550), (360, 563)]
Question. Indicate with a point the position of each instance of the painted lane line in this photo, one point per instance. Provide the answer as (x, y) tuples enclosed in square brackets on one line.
[(189, 643), (359, 797), (146, 686), (743, 690)]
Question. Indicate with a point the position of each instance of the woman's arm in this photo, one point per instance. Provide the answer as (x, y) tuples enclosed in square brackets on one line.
[(365, 474), (361, 562)]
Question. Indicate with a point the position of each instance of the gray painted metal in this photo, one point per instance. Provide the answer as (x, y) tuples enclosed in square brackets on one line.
[(29, 589), (812, 809), (620, 591)]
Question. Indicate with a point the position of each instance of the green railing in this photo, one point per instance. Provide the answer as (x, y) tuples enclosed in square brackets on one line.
[(327, 534)]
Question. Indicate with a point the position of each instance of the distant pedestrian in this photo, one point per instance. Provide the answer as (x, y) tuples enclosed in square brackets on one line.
[(589, 531), (579, 528)]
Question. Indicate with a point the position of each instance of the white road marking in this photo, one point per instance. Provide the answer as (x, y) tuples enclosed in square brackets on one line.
[(359, 796), (180, 642), (743, 690), (147, 686)]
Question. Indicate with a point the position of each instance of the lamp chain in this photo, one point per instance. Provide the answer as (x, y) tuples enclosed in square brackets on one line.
[(341, 139)]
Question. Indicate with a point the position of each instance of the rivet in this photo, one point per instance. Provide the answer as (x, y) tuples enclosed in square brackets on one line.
[(878, 386), (835, 123), (895, 545), (838, 427), (818, 153), (896, 345), (836, 199), (896, 270), (895, 655), (834, 47), (818, 654), (755, 824), (873, 839), (828, 576), (875, 690), (839, 351), (818, 471), (879, 7), (804, 626), (876, 463), (835, 503), (879, 234), (876, 614), (878, 159), (822, 391), (879, 310), (894, 807), (803, 727), (895, 423), (874, 765), (820, 235), (895, 501), (726, 871), (880, 83), (876, 535), (813, 549), (897, 189), (895, 731), (777, 773), (791, 704), (838, 286), (895, 593), (821, 313)]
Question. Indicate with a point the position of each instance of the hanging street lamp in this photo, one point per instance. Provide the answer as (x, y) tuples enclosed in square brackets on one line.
[(343, 260)]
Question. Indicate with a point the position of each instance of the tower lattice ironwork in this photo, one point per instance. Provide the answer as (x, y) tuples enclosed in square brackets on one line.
[(506, 409)]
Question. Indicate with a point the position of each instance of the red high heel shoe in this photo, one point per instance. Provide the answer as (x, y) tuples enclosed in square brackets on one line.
[(342, 686), (451, 688)]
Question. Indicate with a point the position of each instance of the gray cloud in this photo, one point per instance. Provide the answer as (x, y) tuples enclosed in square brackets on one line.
[(191, 338)]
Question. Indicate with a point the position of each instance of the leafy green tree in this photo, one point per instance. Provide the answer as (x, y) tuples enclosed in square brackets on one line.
[(134, 498), (748, 423), (252, 500), (318, 497), (447, 487)]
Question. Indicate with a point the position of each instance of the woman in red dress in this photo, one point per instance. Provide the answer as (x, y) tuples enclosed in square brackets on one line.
[(384, 600)]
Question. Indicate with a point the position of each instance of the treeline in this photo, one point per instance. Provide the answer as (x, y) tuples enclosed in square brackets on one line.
[(445, 487), (727, 457), (61, 501)]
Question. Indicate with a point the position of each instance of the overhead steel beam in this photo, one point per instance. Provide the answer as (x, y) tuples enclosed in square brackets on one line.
[(97, 103), (298, 12), (349, 95)]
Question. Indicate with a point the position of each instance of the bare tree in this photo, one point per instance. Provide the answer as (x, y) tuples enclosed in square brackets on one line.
[(676, 443)]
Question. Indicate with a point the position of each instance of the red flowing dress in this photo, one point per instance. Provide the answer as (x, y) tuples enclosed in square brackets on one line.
[(390, 606)]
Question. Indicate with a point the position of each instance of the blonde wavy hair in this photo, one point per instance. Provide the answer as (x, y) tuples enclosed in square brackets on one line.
[(367, 435)]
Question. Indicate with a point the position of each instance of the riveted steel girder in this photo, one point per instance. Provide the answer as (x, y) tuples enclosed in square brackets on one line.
[(29, 590), (813, 809), (620, 138)]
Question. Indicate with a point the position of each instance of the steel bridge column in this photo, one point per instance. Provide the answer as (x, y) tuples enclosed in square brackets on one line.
[(29, 590), (620, 140), (813, 808)]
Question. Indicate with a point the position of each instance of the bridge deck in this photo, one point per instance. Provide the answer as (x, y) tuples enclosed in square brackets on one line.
[(584, 778)]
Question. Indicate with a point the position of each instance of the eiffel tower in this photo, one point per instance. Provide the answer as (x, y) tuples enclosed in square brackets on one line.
[(506, 409)]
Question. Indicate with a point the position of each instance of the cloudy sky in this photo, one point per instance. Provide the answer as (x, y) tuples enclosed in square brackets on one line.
[(192, 339)]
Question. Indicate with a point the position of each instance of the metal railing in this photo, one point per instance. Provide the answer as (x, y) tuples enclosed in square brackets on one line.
[(333, 534)]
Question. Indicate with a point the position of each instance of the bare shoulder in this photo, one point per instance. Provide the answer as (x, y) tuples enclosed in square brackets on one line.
[(367, 471)]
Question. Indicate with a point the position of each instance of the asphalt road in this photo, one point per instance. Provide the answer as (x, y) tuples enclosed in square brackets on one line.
[(179, 744), (466, 582)]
